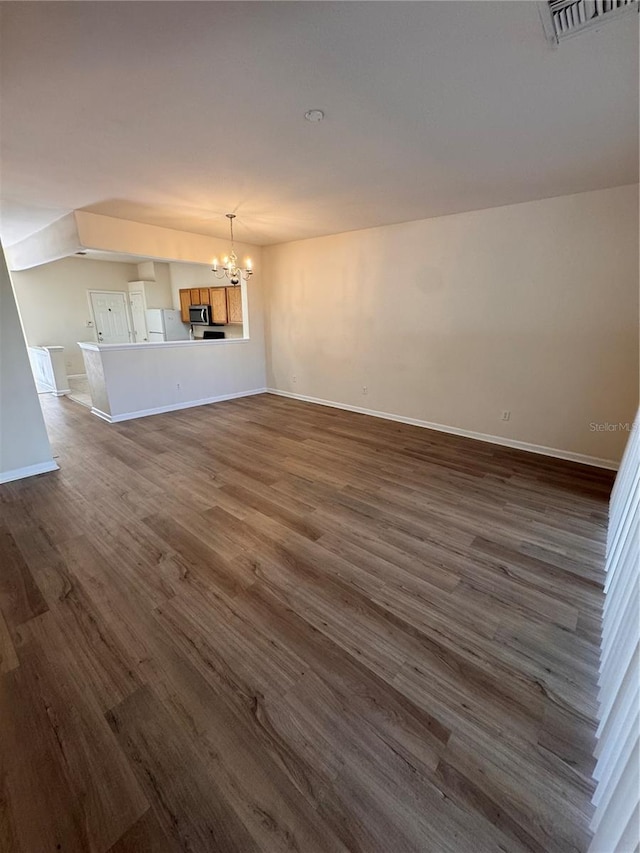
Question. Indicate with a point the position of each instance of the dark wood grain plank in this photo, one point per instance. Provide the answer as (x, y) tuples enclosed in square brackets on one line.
[(106, 666), (269, 625), (8, 657), (20, 597), (100, 777), (146, 836), (41, 809), (185, 798)]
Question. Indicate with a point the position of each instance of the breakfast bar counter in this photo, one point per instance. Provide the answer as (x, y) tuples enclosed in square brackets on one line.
[(135, 380)]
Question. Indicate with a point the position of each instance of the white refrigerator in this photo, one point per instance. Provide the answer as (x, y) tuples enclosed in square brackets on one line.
[(166, 325)]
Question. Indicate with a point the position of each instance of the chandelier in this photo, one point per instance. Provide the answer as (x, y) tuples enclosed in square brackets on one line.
[(230, 268)]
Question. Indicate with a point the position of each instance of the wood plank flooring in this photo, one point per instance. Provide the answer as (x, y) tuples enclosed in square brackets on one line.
[(265, 625)]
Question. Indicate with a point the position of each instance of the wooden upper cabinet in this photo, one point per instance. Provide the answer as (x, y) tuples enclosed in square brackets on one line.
[(185, 302), (234, 304), (218, 305), (226, 303)]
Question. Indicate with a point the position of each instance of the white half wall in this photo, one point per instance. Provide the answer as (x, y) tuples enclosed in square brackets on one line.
[(149, 379), (24, 444), (530, 308)]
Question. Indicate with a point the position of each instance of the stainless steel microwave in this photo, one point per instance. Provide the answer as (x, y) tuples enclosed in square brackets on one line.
[(200, 315)]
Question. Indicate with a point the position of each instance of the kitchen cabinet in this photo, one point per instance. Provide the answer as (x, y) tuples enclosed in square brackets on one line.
[(219, 313), (185, 302), (225, 302), (234, 304)]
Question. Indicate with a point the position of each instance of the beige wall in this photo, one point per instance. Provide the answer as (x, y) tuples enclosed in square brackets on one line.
[(188, 275), (154, 282), (158, 293), (54, 306), (531, 308)]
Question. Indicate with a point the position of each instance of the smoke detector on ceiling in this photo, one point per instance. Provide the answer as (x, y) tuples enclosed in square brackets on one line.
[(564, 18)]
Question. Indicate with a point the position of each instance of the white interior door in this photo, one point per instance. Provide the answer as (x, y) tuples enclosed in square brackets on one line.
[(111, 316), (136, 301)]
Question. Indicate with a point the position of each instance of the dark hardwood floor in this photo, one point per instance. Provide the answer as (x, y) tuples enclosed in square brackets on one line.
[(268, 625)]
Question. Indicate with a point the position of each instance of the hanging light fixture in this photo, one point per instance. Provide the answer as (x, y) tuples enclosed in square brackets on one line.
[(230, 268)]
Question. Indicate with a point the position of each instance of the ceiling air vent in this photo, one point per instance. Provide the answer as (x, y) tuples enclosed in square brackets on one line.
[(564, 18)]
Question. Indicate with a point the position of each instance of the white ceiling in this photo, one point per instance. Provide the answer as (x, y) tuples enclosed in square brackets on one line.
[(173, 113)]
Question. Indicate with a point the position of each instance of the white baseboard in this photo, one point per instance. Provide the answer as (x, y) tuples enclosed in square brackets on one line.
[(478, 436), (54, 392), (29, 471), (76, 375), (173, 407), (102, 415)]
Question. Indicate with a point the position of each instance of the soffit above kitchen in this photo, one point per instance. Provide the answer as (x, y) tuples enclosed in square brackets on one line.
[(174, 113), (107, 238)]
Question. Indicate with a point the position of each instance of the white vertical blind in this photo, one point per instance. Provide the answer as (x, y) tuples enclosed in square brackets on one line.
[(616, 822)]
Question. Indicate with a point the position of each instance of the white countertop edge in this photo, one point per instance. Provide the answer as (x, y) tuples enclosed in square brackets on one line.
[(91, 345)]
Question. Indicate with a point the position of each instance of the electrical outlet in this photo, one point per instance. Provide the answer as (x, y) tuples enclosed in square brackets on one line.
[(505, 415), (178, 385), (294, 379), (365, 389)]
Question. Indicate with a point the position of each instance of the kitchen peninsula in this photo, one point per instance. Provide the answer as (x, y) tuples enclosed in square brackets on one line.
[(135, 380)]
